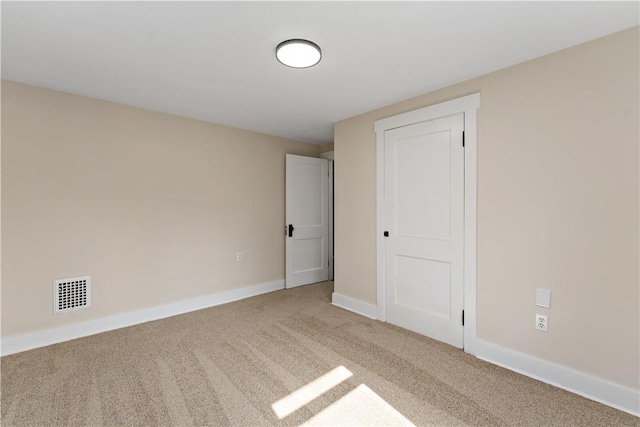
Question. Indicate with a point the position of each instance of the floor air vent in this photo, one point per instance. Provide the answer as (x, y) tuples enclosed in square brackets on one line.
[(71, 294)]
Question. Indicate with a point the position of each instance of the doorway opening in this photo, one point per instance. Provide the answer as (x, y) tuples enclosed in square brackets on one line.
[(309, 220)]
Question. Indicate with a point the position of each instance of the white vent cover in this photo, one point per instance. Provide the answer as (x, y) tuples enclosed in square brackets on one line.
[(71, 294)]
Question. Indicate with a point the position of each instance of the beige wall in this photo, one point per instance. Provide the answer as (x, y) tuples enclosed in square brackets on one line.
[(153, 207), (558, 202), (326, 148)]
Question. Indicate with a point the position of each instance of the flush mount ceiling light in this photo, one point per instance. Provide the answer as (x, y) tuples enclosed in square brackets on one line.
[(298, 53)]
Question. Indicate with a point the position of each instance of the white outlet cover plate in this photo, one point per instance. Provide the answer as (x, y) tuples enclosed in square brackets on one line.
[(542, 322)]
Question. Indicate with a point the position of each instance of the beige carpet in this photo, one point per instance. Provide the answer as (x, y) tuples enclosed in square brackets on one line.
[(284, 358)]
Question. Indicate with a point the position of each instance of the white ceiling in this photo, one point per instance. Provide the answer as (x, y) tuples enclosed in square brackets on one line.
[(215, 61)]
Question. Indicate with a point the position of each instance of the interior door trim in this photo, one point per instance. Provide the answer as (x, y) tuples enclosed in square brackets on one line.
[(468, 105)]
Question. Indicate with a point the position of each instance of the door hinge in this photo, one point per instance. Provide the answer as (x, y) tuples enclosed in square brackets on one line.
[(462, 317), (462, 139)]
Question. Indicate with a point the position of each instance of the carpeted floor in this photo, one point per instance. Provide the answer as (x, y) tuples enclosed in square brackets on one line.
[(284, 358)]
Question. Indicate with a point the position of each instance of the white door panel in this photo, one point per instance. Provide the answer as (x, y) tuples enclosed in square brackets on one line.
[(307, 254), (424, 215), (422, 198), (307, 212), (411, 273), (307, 190)]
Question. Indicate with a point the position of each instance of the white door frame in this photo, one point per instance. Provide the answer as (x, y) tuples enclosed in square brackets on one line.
[(329, 156), (467, 105)]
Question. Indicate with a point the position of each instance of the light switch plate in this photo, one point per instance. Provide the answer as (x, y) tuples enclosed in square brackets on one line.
[(543, 297)]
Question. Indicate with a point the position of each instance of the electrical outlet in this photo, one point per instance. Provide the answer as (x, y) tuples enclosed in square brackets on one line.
[(239, 257), (542, 323)]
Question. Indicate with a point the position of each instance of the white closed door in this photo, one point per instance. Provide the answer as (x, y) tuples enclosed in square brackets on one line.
[(307, 217), (424, 219)]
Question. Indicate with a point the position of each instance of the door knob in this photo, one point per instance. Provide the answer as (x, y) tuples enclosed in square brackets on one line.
[(291, 230)]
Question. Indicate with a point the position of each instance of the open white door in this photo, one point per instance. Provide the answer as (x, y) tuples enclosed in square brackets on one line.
[(424, 227), (307, 217)]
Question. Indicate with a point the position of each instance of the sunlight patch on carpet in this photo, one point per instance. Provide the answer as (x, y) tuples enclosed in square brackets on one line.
[(360, 407), (310, 392)]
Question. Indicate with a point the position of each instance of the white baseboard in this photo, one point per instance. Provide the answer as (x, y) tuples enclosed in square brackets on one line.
[(16, 344), (611, 394), (357, 306)]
